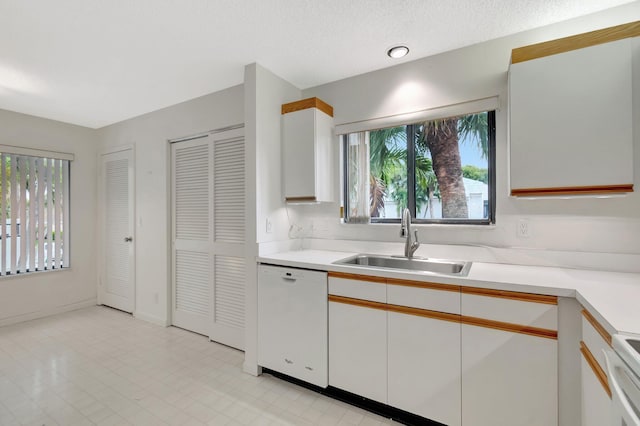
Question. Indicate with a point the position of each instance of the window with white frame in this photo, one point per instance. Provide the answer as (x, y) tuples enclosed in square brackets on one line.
[(442, 170), (34, 203)]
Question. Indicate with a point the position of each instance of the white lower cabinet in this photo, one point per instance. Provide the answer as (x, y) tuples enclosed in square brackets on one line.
[(596, 393), (509, 359), (508, 379), (596, 403), (424, 367), (358, 350), (461, 357)]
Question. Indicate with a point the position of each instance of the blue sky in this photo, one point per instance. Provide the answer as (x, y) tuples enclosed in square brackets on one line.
[(471, 154)]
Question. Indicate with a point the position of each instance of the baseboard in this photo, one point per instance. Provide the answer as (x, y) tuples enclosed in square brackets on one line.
[(384, 410), (48, 312), (151, 318)]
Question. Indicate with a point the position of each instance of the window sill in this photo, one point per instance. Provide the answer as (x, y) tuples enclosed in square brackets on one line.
[(33, 274), (474, 226)]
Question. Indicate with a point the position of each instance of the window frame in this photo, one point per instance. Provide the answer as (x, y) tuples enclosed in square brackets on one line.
[(411, 194), (58, 258)]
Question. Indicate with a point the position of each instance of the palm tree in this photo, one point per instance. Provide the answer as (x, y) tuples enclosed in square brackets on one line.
[(388, 157), (426, 183), (441, 138)]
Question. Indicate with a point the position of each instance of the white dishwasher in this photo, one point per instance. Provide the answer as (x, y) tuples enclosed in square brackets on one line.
[(292, 323)]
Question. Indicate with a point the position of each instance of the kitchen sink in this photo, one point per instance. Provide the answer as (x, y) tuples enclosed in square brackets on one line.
[(434, 266)]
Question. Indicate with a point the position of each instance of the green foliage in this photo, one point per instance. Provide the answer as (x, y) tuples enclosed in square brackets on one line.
[(388, 161), (388, 165), (474, 128), (476, 173)]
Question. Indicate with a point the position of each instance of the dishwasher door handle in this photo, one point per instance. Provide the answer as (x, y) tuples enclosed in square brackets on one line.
[(622, 406)]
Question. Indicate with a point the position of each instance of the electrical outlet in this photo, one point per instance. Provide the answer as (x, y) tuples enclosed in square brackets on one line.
[(268, 226), (523, 229)]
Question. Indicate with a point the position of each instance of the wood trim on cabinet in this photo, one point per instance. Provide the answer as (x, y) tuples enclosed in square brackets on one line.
[(424, 284), (379, 280), (572, 190), (513, 295), (507, 326), (579, 41), (478, 322), (595, 367), (442, 316), (599, 328), (306, 104), (358, 302)]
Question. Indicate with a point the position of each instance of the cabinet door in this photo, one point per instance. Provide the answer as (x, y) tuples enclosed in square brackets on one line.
[(596, 404), (508, 379), (424, 367), (298, 135), (569, 112), (358, 350)]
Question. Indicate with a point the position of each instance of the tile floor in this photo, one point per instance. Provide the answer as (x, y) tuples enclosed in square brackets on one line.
[(101, 366)]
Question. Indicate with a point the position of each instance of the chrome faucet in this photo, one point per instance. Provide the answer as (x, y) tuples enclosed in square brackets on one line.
[(410, 247)]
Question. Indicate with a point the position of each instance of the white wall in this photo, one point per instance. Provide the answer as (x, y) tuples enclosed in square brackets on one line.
[(40, 294), (271, 93), (594, 225), (265, 93), (149, 135)]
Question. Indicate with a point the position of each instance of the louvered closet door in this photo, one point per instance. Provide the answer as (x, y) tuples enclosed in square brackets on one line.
[(228, 238), (209, 236), (192, 234), (117, 287)]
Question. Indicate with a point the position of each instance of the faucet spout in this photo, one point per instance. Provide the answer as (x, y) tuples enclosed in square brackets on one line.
[(410, 247)]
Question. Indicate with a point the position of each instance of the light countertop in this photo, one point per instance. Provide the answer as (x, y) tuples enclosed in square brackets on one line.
[(612, 297)]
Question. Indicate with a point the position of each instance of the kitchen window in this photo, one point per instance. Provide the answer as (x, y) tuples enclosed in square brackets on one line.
[(443, 170), (34, 203)]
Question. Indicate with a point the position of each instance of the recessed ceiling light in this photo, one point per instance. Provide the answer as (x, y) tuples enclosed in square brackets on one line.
[(397, 52)]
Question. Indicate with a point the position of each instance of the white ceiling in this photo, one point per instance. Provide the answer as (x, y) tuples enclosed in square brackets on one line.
[(93, 62)]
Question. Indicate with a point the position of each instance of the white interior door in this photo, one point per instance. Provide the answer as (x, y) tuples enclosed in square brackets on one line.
[(192, 177), (208, 211), (228, 238), (118, 284)]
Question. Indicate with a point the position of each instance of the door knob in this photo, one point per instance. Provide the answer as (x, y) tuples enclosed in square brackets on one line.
[(128, 239)]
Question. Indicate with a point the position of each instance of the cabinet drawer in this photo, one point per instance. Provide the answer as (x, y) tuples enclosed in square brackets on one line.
[(423, 295), (511, 307), (358, 287), (595, 338)]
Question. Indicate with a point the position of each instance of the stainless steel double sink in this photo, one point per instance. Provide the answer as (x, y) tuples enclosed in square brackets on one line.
[(433, 266)]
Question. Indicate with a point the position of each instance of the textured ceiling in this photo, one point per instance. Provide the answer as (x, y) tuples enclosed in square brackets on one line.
[(93, 63)]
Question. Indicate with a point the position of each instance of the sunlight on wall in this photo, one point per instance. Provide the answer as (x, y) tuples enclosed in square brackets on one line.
[(409, 96), (13, 80)]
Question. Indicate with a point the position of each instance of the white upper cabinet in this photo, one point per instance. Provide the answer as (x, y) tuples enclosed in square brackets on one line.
[(571, 114), (307, 140)]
